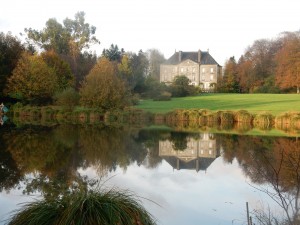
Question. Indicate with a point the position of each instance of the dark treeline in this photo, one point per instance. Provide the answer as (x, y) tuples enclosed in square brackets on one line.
[(267, 66)]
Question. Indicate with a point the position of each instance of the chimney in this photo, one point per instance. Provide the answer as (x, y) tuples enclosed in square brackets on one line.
[(199, 56), (179, 56)]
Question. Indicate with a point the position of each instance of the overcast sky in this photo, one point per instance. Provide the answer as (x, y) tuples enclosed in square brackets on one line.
[(225, 27)]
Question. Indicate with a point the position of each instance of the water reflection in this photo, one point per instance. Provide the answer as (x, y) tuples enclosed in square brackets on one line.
[(199, 151), (47, 159)]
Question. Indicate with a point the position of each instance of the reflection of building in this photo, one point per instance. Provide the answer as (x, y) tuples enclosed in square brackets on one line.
[(198, 155)]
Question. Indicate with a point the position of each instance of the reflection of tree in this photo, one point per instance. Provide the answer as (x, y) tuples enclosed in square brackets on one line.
[(48, 158), (107, 148), (179, 140), (150, 139), (273, 162), (10, 175), (53, 164)]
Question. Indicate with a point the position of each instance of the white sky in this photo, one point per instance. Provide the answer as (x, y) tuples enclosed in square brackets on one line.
[(225, 27)]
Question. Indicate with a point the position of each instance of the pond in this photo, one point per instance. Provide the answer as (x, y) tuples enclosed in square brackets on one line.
[(180, 177)]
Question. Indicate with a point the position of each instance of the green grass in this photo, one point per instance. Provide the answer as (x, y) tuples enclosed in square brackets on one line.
[(254, 103)]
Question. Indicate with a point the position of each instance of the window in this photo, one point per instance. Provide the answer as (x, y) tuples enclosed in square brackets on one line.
[(211, 70), (193, 77), (182, 70), (211, 77), (203, 70), (194, 69)]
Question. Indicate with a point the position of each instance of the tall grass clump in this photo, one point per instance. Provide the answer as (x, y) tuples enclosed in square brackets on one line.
[(296, 122), (213, 117), (243, 116), (226, 117), (111, 207), (263, 121), (288, 121)]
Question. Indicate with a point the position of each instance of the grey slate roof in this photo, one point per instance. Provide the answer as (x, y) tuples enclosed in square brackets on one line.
[(206, 58), (204, 163)]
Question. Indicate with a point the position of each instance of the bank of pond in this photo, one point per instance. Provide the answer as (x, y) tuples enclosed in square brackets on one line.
[(240, 121)]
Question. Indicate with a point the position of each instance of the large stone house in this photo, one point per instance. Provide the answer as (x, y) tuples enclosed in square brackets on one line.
[(200, 67)]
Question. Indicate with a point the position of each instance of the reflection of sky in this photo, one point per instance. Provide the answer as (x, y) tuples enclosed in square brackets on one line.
[(217, 196), (10, 201)]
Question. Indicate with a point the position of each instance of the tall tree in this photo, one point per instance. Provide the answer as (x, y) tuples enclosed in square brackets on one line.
[(69, 40), (288, 62), (139, 65), (113, 53), (155, 58), (228, 83), (10, 51)]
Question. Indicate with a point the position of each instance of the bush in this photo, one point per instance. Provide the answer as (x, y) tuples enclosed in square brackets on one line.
[(164, 96), (68, 99)]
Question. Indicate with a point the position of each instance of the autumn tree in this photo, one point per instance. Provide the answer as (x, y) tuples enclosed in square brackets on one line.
[(228, 83), (288, 62), (257, 65), (32, 80), (102, 88), (124, 67), (10, 51)]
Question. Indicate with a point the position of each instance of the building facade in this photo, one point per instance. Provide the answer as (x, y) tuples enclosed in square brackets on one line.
[(199, 67)]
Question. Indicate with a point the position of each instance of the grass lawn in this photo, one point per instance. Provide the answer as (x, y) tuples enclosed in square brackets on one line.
[(254, 103)]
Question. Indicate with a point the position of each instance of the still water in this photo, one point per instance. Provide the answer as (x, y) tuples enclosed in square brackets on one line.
[(181, 177)]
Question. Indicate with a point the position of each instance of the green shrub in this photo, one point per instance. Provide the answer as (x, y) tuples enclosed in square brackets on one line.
[(164, 96), (68, 99)]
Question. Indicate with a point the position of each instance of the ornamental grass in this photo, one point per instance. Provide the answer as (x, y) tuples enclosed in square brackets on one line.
[(85, 208)]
